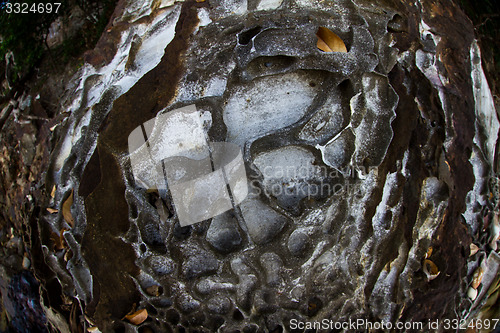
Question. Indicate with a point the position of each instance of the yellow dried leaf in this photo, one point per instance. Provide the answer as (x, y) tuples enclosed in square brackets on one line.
[(89, 320), (472, 293), (477, 278), (66, 210), (329, 41), (430, 270), (52, 210), (68, 255), (429, 253), (473, 249), (58, 240), (137, 317), (53, 192)]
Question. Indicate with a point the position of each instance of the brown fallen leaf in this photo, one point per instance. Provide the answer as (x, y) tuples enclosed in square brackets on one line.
[(68, 255), (52, 210), (430, 270), (66, 210), (137, 317), (26, 261), (329, 41), (58, 240), (486, 222), (429, 253), (477, 278), (473, 249), (89, 320)]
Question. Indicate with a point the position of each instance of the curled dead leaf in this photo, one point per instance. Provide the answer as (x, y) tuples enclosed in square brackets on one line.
[(428, 253), (26, 261), (66, 210), (89, 320), (67, 300), (52, 210), (68, 255), (137, 317), (477, 278), (473, 249), (486, 222), (430, 270), (328, 41), (58, 240), (472, 293)]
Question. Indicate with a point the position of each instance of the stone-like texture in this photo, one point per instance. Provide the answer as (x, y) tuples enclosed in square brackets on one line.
[(385, 134)]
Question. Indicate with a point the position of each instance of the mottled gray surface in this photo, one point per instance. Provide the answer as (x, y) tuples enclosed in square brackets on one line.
[(386, 132)]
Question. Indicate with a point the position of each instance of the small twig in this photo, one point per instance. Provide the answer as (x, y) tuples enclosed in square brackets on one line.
[(482, 23), (5, 115)]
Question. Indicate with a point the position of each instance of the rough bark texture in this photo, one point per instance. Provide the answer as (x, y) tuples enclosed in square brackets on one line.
[(403, 136)]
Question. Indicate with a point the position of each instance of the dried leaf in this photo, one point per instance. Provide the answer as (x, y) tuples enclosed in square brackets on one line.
[(493, 295), (26, 262), (89, 320), (428, 253), (329, 41), (52, 210), (66, 210), (74, 317), (53, 192), (477, 278), (68, 255), (137, 317), (67, 300), (93, 329), (430, 270), (486, 222), (472, 293), (58, 240), (153, 290), (473, 249)]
